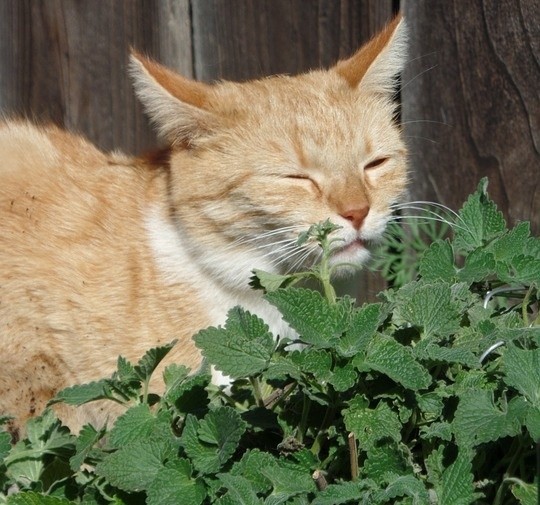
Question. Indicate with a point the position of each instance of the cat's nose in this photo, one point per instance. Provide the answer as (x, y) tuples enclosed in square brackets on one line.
[(356, 216)]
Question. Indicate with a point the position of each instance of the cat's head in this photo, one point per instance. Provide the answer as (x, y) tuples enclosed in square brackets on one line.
[(255, 163)]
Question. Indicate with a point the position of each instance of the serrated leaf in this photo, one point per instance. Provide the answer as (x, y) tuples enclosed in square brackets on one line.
[(82, 393), (427, 350), (404, 485), (388, 356), (363, 324), (527, 494), (317, 362), (511, 244), (31, 498), (242, 348), (210, 442), (371, 425), (479, 264), (286, 483), (5, 445), (135, 466), (151, 359), (343, 378), (136, 423), (269, 281), (437, 262), (430, 307), (317, 321), (532, 422), (345, 492), (88, 437), (522, 371), (479, 222), (239, 489), (173, 485), (479, 420), (440, 430), (250, 467), (384, 458), (125, 371), (456, 485)]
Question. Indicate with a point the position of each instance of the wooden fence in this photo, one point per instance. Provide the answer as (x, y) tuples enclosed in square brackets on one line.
[(470, 100)]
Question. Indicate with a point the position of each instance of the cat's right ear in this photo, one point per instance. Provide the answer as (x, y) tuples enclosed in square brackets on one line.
[(175, 104)]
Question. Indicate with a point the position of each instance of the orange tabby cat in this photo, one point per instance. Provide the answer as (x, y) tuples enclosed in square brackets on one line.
[(102, 255)]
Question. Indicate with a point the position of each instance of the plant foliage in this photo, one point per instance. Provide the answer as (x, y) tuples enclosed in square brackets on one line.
[(431, 396)]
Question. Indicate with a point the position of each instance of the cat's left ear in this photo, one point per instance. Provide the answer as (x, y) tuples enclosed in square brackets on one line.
[(178, 106), (375, 65)]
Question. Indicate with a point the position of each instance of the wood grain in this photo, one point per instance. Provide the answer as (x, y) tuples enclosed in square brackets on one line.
[(246, 39), (471, 105), (65, 61)]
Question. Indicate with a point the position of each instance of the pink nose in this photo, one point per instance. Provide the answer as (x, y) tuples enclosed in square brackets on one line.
[(356, 216)]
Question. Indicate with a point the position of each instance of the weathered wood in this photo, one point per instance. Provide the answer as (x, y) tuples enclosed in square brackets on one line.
[(245, 39), (65, 61), (471, 105)]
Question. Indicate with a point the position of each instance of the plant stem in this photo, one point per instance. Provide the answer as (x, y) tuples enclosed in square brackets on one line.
[(302, 427), (353, 456), (256, 385)]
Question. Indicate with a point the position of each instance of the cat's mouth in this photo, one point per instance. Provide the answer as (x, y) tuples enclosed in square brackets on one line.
[(352, 247)]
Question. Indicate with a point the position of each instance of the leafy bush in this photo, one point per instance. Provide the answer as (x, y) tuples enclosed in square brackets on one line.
[(431, 396)]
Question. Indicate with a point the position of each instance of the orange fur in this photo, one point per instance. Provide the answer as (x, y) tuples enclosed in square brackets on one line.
[(105, 255)]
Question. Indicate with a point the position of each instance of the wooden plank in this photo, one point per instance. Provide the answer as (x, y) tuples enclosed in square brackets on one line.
[(65, 61), (471, 105), (246, 39)]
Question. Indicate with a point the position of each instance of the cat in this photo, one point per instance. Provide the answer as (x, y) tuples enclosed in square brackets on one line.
[(104, 255)]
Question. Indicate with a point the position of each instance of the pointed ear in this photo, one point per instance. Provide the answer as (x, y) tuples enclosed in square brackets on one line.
[(178, 106), (375, 65)]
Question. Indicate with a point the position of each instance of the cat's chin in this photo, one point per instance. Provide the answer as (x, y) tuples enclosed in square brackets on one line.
[(349, 258)]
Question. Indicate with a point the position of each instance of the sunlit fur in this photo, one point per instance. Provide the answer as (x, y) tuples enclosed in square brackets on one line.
[(102, 255)]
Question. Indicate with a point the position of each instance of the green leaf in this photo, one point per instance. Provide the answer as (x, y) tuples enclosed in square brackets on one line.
[(5, 445), (479, 420), (437, 263), (388, 356), (456, 486), (371, 425), (242, 348), (212, 441), (404, 485), (135, 466), (270, 282), (532, 422), (430, 307), (174, 485), (86, 440), (384, 458), (286, 483), (250, 467), (317, 321), (136, 423), (345, 492), (527, 494), (151, 359), (363, 324), (82, 393), (522, 371), (479, 222), (343, 378), (479, 264), (426, 350), (31, 498), (511, 244), (239, 489), (442, 431)]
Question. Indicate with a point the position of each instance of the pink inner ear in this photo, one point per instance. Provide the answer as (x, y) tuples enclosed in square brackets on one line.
[(354, 68)]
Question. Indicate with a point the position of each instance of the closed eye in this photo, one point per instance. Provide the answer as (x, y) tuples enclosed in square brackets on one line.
[(376, 163), (301, 177)]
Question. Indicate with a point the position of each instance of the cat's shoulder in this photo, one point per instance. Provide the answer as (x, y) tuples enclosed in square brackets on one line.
[(28, 146)]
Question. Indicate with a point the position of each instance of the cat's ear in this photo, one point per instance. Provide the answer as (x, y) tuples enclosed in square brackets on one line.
[(375, 65), (176, 105)]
